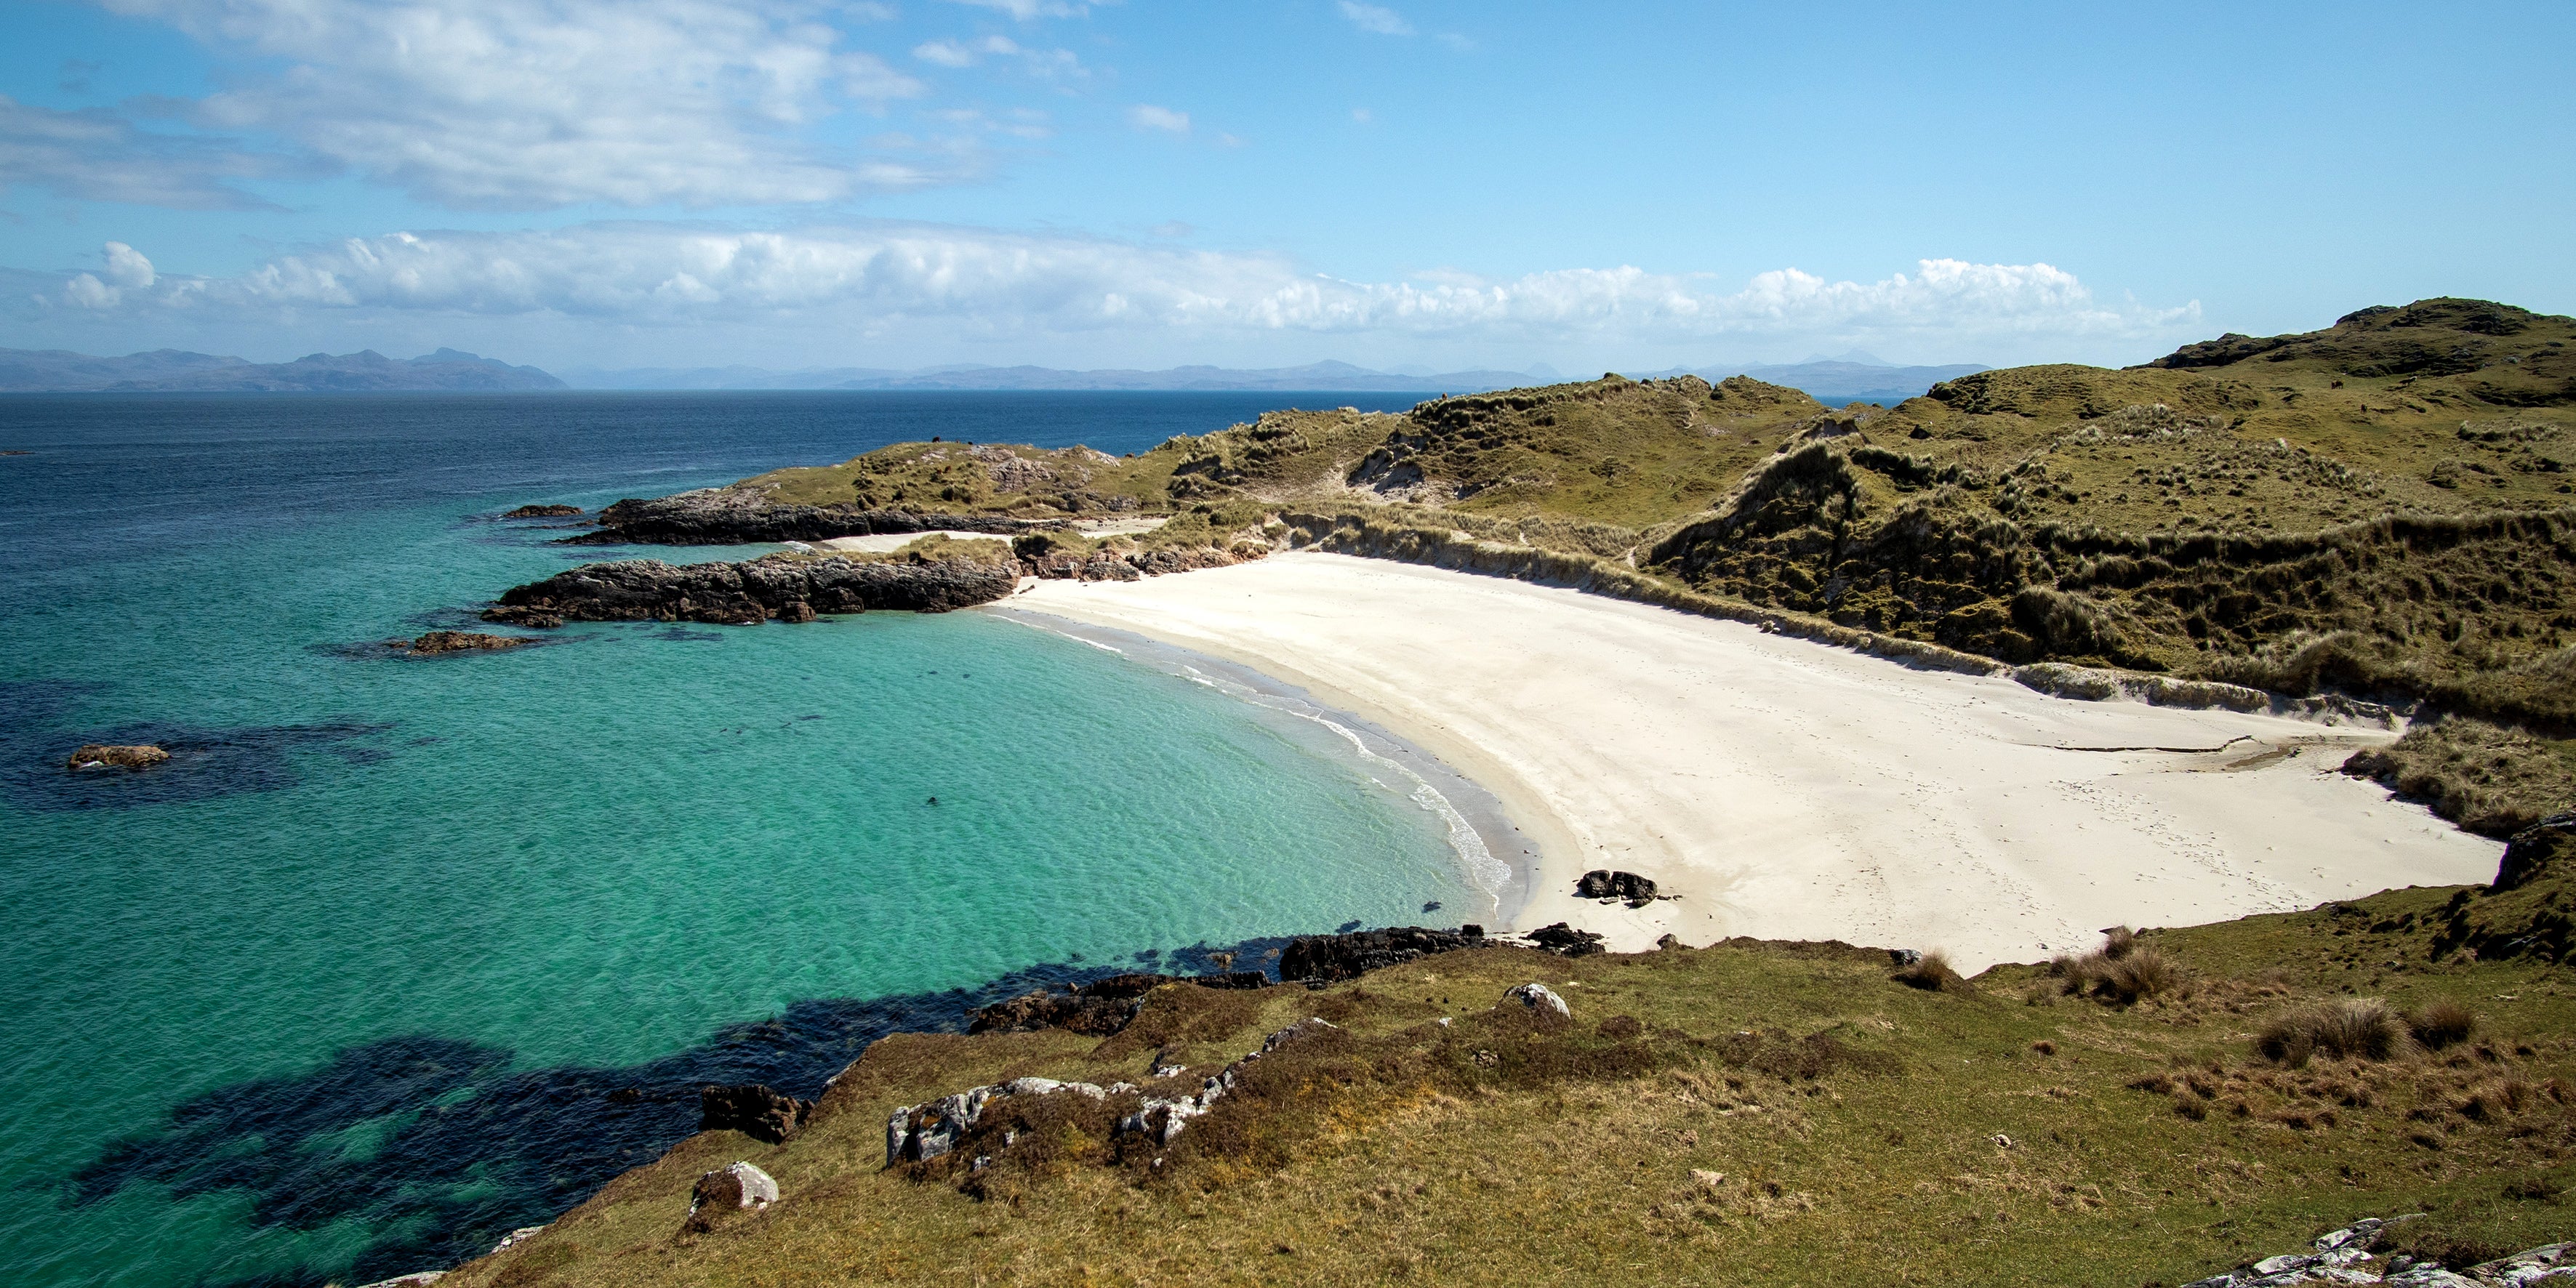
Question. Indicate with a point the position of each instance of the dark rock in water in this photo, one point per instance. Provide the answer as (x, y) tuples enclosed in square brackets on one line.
[(1096, 1009), (797, 611), (747, 594), (1348, 956), (1601, 883), (98, 756), (754, 1110), (1565, 940), (532, 618), (462, 642), (2535, 850), (731, 516), (543, 512)]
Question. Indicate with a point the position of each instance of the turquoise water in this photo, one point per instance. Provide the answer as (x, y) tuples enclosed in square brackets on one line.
[(371, 886)]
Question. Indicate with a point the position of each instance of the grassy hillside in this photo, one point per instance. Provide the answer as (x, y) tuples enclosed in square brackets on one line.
[(1751, 1112), (2384, 508)]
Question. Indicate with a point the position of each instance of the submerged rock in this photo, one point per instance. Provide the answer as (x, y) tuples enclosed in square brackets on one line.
[(749, 593), (462, 642), (533, 618), (754, 1110), (104, 756), (1095, 1009), (543, 512)]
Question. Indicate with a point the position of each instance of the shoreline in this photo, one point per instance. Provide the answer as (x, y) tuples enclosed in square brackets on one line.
[(1788, 789), (1464, 801)]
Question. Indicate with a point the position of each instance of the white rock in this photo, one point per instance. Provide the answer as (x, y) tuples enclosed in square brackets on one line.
[(753, 1186), (416, 1279), (519, 1236), (1535, 996)]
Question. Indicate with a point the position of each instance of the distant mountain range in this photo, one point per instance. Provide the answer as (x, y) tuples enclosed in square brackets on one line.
[(1313, 376), (1850, 377), (175, 371)]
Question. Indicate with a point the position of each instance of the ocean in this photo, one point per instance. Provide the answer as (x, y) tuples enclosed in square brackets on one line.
[(401, 953)]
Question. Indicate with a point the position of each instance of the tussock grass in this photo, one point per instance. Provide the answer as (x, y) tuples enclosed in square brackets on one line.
[(2441, 1024), (2360, 1028)]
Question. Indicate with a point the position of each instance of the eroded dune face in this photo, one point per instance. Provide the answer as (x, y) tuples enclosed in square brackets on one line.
[(1790, 790)]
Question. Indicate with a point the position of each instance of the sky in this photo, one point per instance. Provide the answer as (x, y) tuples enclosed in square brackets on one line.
[(1429, 186)]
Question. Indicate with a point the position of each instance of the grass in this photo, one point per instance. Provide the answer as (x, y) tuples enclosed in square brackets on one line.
[(1851, 1125)]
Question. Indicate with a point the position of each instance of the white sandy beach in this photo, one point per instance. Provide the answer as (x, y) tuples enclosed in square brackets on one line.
[(1792, 790)]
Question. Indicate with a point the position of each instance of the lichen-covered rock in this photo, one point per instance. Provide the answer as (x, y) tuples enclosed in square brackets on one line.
[(104, 756), (1160, 1118), (749, 593), (918, 1133), (2344, 1257), (1538, 997), (726, 1191), (754, 1110)]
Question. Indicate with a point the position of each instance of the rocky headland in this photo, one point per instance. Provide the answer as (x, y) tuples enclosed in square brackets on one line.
[(780, 588), (722, 516)]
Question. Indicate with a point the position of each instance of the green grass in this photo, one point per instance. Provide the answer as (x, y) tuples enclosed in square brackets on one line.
[(1853, 1120)]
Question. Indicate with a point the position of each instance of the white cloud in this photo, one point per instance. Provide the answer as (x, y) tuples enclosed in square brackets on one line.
[(1031, 10), (527, 104), (963, 53), (1376, 18), (1146, 116), (101, 156), (935, 280), (127, 268)]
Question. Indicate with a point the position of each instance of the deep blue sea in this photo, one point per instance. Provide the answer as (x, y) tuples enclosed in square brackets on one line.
[(398, 954)]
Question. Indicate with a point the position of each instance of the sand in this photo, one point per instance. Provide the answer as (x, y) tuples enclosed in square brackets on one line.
[(888, 542), (1793, 790)]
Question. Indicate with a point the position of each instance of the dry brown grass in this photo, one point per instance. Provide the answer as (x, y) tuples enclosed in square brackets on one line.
[(2441, 1023), (2358, 1028), (2121, 971)]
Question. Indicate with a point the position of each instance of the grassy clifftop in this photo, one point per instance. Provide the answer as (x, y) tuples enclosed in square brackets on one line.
[(1750, 1112)]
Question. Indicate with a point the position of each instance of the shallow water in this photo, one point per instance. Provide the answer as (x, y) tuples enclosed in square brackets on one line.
[(345, 989)]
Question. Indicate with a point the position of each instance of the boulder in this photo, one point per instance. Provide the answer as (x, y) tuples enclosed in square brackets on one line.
[(738, 1188), (462, 642), (796, 612), (543, 512), (754, 1110), (1601, 883), (102, 756), (1538, 997)]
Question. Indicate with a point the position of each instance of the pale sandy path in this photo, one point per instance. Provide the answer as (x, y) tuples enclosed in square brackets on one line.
[(1792, 790)]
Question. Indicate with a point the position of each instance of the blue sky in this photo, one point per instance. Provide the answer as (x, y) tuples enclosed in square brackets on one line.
[(786, 184)]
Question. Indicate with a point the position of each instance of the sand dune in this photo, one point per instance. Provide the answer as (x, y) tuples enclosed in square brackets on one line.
[(1792, 790)]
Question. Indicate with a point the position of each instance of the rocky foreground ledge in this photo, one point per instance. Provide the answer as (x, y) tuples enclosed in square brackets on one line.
[(720, 516), (749, 593)]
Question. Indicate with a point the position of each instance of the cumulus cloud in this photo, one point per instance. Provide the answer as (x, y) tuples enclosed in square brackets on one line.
[(888, 278), (1376, 18), (1031, 10), (530, 104), (1146, 116), (101, 156)]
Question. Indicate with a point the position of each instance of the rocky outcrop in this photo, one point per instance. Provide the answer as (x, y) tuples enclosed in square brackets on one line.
[(543, 512), (532, 618), (1564, 940), (918, 1133), (1601, 883), (754, 1110), (1319, 959), (1160, 1118), (460, 642), (2541, 848), (726, 1192), (747, 594), (2345, 1256), (102, 756), (1096, 1009), (731, 516)]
